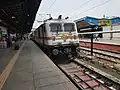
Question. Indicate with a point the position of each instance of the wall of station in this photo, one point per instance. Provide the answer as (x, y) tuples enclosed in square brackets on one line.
[(110, 24), (115, 36)]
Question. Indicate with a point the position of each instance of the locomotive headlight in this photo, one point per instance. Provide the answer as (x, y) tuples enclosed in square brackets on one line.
[(55, 51)]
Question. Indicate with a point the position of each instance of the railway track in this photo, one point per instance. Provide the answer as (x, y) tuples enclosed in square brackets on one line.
[(107, 59), (86, 77)]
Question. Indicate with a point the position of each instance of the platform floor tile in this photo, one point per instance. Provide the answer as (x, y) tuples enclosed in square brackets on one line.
[(33, 70)]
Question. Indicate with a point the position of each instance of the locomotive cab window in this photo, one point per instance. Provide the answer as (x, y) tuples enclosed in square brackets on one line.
[(69, 27), (55, 27)]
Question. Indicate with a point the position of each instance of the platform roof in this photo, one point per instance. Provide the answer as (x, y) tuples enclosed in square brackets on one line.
[(95, 21), (18, 15)]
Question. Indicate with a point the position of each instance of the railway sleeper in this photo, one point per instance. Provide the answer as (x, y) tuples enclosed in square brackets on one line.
[(112, 86), (99, 52), (94, 59), (90, 80), (101, 55)]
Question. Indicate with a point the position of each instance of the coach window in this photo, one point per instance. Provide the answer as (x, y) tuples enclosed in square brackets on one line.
[(69, 27), (55, 27)]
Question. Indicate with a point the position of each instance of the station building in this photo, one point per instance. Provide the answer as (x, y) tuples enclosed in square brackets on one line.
[(108, 24)]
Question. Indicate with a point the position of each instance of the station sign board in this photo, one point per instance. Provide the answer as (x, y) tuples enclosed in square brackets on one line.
[(105, 22)]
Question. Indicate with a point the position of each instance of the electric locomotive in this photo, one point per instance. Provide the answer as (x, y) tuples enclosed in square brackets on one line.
[(57, 36)]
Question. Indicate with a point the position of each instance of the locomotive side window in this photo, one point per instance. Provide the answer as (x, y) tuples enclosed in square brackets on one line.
[(55, 27), (69, 27)]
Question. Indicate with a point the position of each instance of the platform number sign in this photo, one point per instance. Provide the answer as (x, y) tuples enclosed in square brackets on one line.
[(105, 22)]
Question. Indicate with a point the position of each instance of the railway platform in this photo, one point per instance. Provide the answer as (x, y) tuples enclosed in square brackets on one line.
[(5, 55), (31, 69), (107, 41), (105, 44)]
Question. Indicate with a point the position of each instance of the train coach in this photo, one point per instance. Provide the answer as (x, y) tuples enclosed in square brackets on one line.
[(57, 36)]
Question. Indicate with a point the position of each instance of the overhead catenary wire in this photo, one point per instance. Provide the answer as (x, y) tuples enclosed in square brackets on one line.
[(92, 8), (74, 9), (85, 3), (52, 4)]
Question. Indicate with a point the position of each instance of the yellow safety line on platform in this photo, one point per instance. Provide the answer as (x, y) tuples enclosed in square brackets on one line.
[(4, 75)]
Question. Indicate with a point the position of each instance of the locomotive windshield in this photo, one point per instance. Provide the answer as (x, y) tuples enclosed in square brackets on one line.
[(55, 27), (69, 27)]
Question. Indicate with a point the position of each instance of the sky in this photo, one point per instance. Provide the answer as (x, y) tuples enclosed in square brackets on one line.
[(76, 9)]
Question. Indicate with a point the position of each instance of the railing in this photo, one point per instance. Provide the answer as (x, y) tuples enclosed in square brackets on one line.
[(97, 32)]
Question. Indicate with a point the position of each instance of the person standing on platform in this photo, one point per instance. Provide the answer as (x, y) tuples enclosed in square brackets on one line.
[(13, 40), (96, 36)]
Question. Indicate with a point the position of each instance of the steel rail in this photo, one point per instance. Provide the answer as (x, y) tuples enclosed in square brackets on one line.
[(97, 32)]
